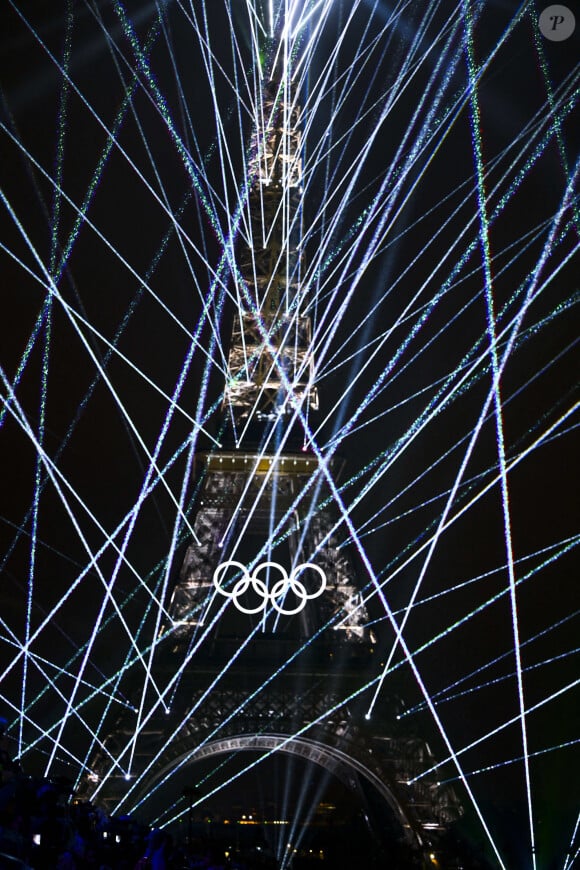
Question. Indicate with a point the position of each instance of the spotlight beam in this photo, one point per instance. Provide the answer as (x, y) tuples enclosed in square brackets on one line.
[(495, 731)]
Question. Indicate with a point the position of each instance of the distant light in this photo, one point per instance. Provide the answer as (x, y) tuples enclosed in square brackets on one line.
[(127, 776), (368, 716)]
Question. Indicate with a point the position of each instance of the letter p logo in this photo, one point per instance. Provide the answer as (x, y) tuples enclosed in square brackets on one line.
[(557, 23)]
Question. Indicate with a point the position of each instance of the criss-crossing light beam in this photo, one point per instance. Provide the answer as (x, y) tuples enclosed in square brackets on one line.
[(497, 399), (346, 249)]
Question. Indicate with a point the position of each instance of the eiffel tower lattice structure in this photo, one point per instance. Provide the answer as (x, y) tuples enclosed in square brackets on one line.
[(253, 661)]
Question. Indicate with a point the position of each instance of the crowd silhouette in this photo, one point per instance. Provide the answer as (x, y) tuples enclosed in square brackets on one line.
[(43, 827)]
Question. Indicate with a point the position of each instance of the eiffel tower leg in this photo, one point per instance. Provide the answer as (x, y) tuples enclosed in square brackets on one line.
[(191, 595)]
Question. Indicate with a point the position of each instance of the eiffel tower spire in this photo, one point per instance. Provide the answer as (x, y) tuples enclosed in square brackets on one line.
[(270, 362)]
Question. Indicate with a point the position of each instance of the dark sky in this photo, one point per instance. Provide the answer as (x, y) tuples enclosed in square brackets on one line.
[(95, 429)]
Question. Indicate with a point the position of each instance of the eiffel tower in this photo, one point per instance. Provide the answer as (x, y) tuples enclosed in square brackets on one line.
[(272, 665)]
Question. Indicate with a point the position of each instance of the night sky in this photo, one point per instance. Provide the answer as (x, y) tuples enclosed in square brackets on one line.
[(132, 282)]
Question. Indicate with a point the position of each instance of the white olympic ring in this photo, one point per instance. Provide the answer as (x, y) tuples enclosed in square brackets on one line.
[(279, 589)]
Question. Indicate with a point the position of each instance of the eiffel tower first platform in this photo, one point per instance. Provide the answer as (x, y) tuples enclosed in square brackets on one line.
[(265, 663)]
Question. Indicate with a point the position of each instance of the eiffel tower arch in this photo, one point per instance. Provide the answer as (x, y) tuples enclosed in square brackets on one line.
[(301, 713), (267, 646)]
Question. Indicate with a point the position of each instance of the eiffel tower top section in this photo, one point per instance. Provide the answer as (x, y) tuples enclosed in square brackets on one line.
[(270, 362), (275, 161)]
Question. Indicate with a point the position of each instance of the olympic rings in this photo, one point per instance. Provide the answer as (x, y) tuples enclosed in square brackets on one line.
[(279, 589)]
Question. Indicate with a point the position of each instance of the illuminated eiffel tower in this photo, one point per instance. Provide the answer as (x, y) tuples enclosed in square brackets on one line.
[(269, 663), (266, 490)]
